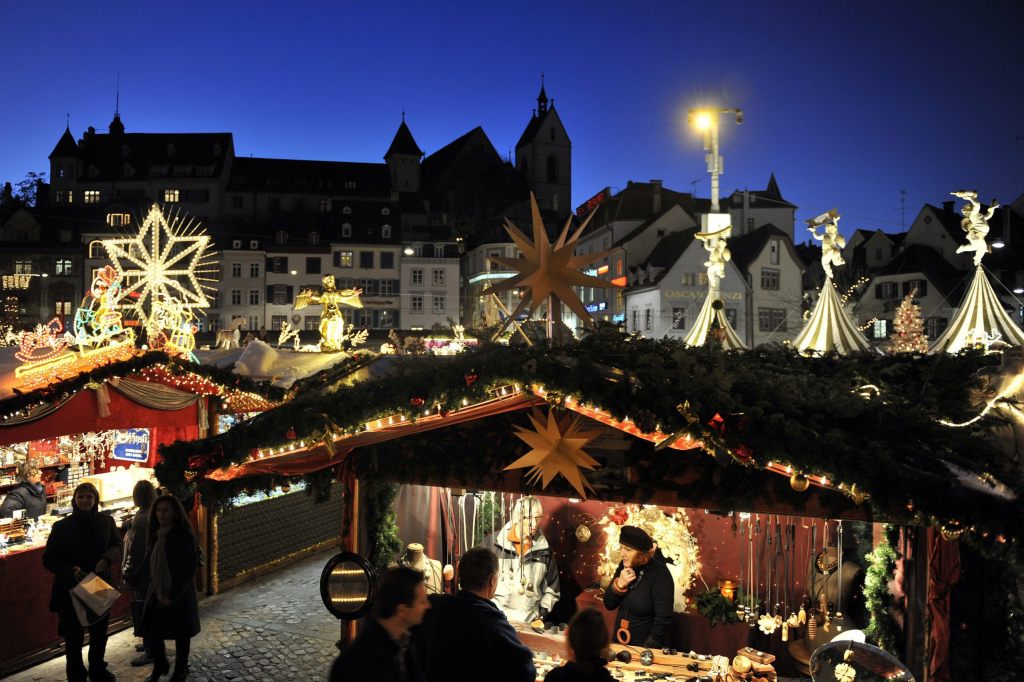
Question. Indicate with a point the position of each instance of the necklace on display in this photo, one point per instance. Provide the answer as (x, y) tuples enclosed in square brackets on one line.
[(823, 565)]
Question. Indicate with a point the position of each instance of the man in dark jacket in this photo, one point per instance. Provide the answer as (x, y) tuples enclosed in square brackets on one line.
[(465, 636), (382, 651), (643, 591)]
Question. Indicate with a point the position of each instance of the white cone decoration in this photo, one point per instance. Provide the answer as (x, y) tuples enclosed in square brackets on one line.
[(981, 319), (830, 328), (698, 336)]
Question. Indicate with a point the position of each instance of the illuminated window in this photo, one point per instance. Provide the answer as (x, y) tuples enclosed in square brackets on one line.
[(387, 319), (63, 266), (23, 267), (91, 196), (119, 219), (880, 329), (172, 196), (343, 259), (62, 308), (96, 250)]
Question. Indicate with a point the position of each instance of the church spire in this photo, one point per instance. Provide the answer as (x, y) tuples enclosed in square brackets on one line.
[(542, 98), (116, 127)]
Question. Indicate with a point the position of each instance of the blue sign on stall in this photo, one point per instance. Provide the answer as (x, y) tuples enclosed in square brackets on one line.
[(132, 445)]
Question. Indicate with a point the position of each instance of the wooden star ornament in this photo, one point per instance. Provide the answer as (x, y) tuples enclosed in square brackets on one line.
[(556, 448)]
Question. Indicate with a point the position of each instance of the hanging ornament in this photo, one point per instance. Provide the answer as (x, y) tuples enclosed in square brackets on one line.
[(802, 617), (448, 572), (557, 448), (951, 532), (583, 532), (416, 402), (799, 482), (767, 624), (290, 434), (470, 378)]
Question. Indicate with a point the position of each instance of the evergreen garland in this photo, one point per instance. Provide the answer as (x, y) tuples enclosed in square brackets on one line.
[(716, 608), (381, 522), (877, 597)]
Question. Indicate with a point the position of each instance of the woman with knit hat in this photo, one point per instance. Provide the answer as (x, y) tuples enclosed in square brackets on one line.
[(643, 591)]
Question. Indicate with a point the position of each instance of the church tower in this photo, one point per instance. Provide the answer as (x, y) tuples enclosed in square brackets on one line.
[(403, 160), (64, 169), (544, 157)]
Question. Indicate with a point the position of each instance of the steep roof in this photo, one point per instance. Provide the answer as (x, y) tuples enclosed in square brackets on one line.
[(918, 258), (635, 202), (536, 121), (312, 177), (141, 156), (745, 248), (637, 231), (66, 146), (772, 195), (404, 143), (664, 255)]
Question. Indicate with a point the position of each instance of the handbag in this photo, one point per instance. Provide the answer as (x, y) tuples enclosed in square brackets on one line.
[(92, 594)]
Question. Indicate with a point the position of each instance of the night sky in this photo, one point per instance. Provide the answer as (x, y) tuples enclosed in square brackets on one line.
[(847, 106)]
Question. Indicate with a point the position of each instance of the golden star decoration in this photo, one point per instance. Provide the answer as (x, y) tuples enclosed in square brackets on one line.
[(165, 261), (548, 270), (557, 448)]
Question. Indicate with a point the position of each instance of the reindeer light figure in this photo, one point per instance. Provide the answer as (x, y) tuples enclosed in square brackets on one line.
[(228, 338)]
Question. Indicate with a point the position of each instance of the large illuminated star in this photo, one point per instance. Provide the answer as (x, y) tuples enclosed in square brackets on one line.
[(165, 261), (557, 448), (548, 270)]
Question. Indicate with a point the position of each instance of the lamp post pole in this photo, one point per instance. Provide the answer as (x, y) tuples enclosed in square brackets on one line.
[(706, 120)]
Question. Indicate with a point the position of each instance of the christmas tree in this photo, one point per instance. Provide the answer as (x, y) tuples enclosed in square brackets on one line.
[(908, 328)]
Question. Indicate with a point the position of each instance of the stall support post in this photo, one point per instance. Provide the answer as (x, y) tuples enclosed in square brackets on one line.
[(915, 572), (203, 531), (350, 543)]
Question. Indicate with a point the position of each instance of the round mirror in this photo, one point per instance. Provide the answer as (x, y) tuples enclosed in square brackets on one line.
[(844, 661), (348, 586)]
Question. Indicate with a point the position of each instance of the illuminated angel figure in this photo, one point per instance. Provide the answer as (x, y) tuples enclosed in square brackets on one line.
[(832, 243), (332, 322), (718, 254), (975, 224), (98, 320)]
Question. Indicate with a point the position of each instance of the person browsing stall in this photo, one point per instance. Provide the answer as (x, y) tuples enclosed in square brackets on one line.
[(588, 640), (382, 652), (83, 542), (465, 636), (29, 495), (643, 591)]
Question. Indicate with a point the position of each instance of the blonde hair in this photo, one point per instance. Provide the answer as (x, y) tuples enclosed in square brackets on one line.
[(26, 471)]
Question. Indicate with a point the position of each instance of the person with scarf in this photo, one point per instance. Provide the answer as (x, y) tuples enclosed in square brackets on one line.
[(29, 495), (83, 542), (643, 591), (172, 605)]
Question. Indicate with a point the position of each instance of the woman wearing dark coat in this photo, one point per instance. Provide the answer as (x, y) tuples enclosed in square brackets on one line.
[(83, 542), (588, 639), (134, 569), (29, 495), (643, 591), (172, 606)]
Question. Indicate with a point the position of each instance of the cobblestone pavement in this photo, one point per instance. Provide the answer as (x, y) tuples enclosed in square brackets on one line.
[(272, 628)]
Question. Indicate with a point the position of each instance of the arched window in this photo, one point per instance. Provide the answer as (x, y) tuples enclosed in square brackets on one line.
[(96, 250), (552, 169)]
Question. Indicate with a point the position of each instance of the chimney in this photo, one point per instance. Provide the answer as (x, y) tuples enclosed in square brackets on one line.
[(947, 206), (656, 196)]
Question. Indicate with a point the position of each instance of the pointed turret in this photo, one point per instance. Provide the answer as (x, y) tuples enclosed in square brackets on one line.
[(542, 98), (116, 127), (404, 143), (773, 188), (403, 160), (66, 146)]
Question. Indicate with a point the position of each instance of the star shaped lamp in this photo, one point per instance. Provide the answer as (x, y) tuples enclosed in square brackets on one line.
[(168, 260), (556, 448), (548, 270)]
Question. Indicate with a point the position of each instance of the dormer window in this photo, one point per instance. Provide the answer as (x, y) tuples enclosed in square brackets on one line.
[(170, 150), (385, 231), (385, 211), (119, 219), (346, 230), (172, 196), (314, 238), (281, 237), (347, 210), (350, 184)]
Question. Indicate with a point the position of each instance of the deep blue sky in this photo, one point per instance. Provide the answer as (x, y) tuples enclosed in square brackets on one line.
[(847, 102)]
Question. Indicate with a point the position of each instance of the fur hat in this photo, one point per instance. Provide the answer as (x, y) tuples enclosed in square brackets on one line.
[(631, 536)]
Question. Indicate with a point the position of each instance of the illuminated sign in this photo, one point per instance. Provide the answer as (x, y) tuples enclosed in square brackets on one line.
[(385, 302), (603, 270), (618, 318), (596, 307), (16, 281), (724, 295), (131, 445), (619, 281), (594, 201)]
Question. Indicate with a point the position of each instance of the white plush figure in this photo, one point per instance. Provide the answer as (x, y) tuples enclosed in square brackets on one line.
[(975, 224), (832, 242)]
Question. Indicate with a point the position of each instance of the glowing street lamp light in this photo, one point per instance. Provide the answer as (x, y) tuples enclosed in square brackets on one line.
[(706, 121)]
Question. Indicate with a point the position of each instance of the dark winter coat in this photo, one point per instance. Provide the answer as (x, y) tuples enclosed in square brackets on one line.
[(466, 637), (375, 657), (81, 539), (26, 496), (134, 568), (647, 604), (180, 618), (571, 672)]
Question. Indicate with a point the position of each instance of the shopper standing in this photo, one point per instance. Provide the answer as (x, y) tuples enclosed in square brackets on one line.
[(83, 542), (588, 640), (134, 569), (29, 495), (172, 605)]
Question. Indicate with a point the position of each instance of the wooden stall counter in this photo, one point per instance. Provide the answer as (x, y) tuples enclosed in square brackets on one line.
[(25, 587)]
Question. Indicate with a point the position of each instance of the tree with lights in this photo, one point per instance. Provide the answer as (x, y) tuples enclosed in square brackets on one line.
[(908, 328)]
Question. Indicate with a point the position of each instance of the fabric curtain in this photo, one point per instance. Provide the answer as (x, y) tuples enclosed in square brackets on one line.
[(943, 574)]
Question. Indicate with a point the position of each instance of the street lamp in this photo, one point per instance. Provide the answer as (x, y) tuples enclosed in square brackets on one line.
[(706, 121)]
